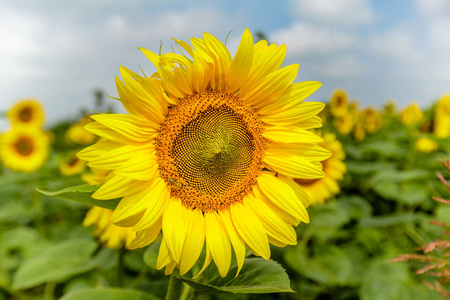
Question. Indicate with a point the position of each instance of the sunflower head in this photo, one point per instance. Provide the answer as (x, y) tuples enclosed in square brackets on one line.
[(71, 165), (441, 127), (339, 103), (371, 119), (24, 148), (426, 145), (208, 152), (334, 168), (27, 112), (411, 114), (344, 124), (78, 135)]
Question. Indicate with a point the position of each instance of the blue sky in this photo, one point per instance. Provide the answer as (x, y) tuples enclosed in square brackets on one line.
[(60, 51)]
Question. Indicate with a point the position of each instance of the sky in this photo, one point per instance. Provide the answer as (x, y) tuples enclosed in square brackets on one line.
[(60, 52)]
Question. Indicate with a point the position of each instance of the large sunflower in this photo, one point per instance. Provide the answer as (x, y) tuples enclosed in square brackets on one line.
[(24, 149), (208, 152), (334, 167), (27, 112)]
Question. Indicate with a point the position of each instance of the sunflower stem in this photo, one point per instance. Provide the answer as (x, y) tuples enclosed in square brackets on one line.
[(120, 268), (174, 289), (186, 292)]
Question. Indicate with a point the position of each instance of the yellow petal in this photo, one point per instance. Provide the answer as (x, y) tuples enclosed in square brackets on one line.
[(164, 256), (307, 151), (146, 236), (142, 166), (222, 60), (302, 112), (208, 260), (218, 242), (298, 190), (174, 229), (237, 242), (250, 229), (117, 187), (127, 126), (193, 245), (266, 59), (282, 195), (241, 64), (291, 164), (99, 148), (115, 158), (286, 216), (291, 98), (131, 208), (280, 134), (185, 46), (271, 87), (158, 199), (275, 227)]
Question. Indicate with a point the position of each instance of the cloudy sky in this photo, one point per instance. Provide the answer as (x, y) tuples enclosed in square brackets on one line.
[(60, 52)]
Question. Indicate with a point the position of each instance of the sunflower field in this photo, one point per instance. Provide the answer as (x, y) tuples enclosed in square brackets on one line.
[(224, 182)]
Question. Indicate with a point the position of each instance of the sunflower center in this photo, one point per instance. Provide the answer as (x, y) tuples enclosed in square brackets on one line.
[(26, 114), (210, 150), (24, 146)]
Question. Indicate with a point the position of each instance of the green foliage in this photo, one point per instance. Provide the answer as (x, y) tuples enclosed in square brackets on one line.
[(81, 194), (110, 294)]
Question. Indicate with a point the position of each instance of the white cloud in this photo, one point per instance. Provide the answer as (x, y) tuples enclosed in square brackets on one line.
[(342, 12), (433, 7), (342, 67), (399, 43), (301, 38)]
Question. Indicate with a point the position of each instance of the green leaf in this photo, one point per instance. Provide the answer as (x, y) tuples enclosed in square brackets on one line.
[(151, 254), (109, 294), (328, 264), (81, 194), (390, 220), (257, 276), (56, 263)]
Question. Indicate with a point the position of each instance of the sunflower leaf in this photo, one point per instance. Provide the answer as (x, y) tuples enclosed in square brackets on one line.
[(109, 293), (81, 194), (257, 276)]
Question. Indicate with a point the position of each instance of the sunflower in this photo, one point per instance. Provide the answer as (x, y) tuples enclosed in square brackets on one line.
[(426, 145), (24, 149), (371, 119), (339, 103), (71, 165), (27, 112), (411, 114), (441, 126), (78, 135), (344, 124), (208, 151), (334, 167), (358, 132)]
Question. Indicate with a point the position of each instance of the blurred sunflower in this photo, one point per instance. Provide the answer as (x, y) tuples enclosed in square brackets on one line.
[(334, 167), (78, 135), (71, 165), (339, 103), (358, 132), (24, 148), (27, 112), (109, 234), (344, 124), (371, 119), (442, 117), (208, 152), (426, 145), (411, 114)]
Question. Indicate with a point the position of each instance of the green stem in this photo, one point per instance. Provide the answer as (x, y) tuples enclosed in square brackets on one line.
[(120, 268), (174, 289), (139, 278), (186, 291), (49, 290)]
